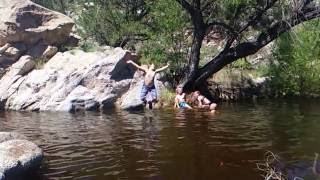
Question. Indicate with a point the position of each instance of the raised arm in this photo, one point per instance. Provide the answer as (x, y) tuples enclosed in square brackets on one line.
[(163, 68), (136, 65)]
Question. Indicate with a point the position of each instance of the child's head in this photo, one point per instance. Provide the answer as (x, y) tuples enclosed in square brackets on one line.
[(179, 90), (197, 93)]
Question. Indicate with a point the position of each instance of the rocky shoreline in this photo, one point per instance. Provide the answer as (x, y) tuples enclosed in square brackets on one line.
[(39, 78)]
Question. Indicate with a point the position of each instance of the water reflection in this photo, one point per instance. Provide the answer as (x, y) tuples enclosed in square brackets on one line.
[(169, 144)]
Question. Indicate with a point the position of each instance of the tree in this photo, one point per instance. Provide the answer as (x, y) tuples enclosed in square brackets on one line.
[(295, 69), (263, 20), (113, 22)]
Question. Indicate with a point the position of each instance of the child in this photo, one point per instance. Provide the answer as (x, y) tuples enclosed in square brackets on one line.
[(204, 102), (148, 85), (179, 101)]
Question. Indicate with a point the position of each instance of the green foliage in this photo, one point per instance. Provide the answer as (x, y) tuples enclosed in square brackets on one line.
[(241, 64), (167, 96), (297, 66), (62, 6), (112, 22), (88, 46), (167, 39)]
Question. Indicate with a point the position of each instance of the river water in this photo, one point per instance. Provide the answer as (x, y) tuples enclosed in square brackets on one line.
[(170, 144)]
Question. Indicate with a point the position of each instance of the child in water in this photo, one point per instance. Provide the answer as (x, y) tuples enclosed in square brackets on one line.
[(179, 101), (204, 102)]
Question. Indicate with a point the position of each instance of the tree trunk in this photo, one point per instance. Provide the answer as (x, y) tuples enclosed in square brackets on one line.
[(193, 63), (194, 57)]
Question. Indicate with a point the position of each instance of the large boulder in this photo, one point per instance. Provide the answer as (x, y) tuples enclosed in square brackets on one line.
[(70, 81), (6, 136), (17, 156), (30, 29), (27, 22)]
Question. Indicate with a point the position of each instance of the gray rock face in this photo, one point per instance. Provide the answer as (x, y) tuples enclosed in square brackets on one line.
[(30, 29), (17, 156), (25, 21), (6, 136), (69, 81), (36, 77), (131, 100)]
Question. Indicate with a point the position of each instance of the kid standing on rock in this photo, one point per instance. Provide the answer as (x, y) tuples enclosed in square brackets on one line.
[(148, 84)]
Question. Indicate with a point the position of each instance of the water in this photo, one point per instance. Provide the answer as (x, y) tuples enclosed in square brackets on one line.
[(167, 144)]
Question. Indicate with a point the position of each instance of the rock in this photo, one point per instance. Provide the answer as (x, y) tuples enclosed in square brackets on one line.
[(50, 52), (131, 100), (70, 81), (73, 40), (6, 136), (81, 98), (26, 22), (11, 54), (18, 157), (42, 51), (17, 70), (235, 85), (4, 48)]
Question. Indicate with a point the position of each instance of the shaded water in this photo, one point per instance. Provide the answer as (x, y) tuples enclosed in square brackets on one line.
[(167, 144)]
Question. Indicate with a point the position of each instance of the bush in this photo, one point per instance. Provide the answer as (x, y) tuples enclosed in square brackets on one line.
[(295, 70)]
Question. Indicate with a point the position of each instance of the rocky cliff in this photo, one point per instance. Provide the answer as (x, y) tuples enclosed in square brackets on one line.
[(37, 77)]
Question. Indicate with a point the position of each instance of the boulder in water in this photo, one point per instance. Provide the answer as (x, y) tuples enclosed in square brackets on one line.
[(17, 156)]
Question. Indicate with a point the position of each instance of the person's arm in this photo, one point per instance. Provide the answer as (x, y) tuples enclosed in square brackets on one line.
[(136, 65), (163, 68), (199, 101), (176, 103)]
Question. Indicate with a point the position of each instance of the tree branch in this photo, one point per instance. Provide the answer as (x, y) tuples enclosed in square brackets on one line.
[(186, 5), (258, 14), (248, 48), (224, 25)]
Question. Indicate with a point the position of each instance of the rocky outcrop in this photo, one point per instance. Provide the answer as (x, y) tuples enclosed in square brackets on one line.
[(17, 156), (235, 85), (37, 77), (27, 22), (30, 29), (69, 81)]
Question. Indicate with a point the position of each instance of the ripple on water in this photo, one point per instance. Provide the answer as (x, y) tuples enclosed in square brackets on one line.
[(166, 144)]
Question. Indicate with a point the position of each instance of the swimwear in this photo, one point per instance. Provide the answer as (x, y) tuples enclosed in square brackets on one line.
[(148, 89), (183, 105)]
